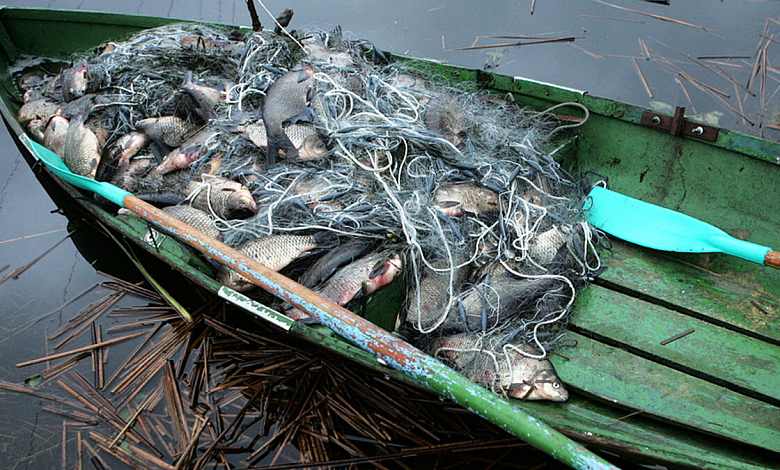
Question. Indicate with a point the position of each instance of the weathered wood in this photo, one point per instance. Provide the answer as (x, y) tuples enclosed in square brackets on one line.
[(720, 299), (625, 379), (722, 355)]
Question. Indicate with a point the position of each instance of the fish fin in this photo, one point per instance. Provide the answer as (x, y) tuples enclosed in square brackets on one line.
[(446, 204), (305, 73), (292, 154), (309, 321), (279, 143), (158, 152), (307, 116), (188, 78), (326, 239), (163, 199), (378, 270)]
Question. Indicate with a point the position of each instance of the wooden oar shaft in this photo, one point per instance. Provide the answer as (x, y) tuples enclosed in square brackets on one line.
[(772, 259), (394, 351)]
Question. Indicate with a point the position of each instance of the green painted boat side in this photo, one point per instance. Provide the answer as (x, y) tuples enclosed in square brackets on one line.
[(705, 400)]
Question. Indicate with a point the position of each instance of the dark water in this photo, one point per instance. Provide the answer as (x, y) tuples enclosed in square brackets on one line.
[(601, 60)]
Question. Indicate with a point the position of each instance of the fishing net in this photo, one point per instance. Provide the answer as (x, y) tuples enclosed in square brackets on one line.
[(464, 183)]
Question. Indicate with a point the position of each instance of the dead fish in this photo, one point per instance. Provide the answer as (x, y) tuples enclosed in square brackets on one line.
[(195, 218), (81, 149), (367, 274), (224, 198), (485, 305), (287, 102), (55, 134), (169, 130), (126, 147), (37, 128), (189, 151), (136, 169), (546, 245), (37, 109), (444, 116), (274, 251), (431, 300), (305, 139), (206, 97), (75, 81), (457, 199), (328, 263), (283, 20), (520, 377), (81, 106)]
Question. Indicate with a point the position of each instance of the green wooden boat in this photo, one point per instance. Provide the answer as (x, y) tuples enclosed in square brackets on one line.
[(710, 399)]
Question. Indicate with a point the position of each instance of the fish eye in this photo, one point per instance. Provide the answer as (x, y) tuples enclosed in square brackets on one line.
[(556, 384)]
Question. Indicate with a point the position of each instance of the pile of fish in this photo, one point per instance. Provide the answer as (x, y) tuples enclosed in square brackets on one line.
[(315, 155)]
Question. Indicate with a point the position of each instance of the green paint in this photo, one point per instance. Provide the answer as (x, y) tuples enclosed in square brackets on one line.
[(720, 353), (620, 377)]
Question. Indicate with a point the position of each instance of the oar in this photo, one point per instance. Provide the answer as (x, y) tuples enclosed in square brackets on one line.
[(391, 350), (664, 229)]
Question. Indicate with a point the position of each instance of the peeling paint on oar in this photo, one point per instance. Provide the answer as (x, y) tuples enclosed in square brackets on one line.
[(392, 350)]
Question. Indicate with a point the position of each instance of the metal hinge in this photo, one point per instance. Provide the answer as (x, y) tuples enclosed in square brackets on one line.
[(678, 125)]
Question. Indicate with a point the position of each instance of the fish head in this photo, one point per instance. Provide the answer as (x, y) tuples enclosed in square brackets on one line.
[(36, 127), (544, 385), (234, 280), (313, 147), (239, 203), (74, 81)]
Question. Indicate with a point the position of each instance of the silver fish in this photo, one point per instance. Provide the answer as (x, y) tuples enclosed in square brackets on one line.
[(81, 150), (274, 251), (170, 130), (126, 147), (370, 273), (55, 134), (457, 199), (512, 373), (485, 305), (189, 151), (224, 198), (545, 246), (195, 218), (75, 81), (305, 139), (37, 109), (444, 115), (37, 128), (328, 263), (287, 102), (205, 96), (432, 299)]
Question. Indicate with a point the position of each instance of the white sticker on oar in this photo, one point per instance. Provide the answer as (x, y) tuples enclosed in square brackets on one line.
[(256, 308)]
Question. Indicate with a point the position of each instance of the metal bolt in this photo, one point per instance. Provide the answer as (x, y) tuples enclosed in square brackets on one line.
[(656, 120), (698, 130)]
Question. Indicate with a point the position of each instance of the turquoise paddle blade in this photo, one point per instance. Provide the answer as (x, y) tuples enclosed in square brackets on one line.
[(55, 163), (659, 228)]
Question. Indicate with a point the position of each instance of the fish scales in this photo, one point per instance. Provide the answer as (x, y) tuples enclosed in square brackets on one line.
[(195, 218), (274, 251), (81, 150), (430, 301), (457, 199), (370, 273), (495, 301), (327, 264), (170, 130), (224, 198), (506, 371)]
